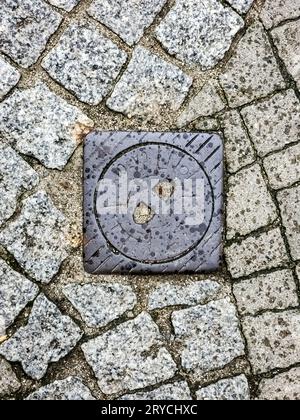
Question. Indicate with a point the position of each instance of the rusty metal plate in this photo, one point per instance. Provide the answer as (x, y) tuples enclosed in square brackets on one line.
[(153, 202)]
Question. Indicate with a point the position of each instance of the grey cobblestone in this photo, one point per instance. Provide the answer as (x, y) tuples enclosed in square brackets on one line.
[(276, 11), (148, 86), (289, 202), (254, 66), (266, 292), (47, 338), (67, 5), (50, 129), (283, 387), (199, 31), (250, 208), (15, 292), (232, 389), (130, 357), (16, 177), (266, 250), (283, 168), (100, 304), (8, 381), (287, 40), (69, 389), (9, 77), (26, 26), (85, 62), (207, 337), (274, 123), (37, 237), (127, 18), (178, 391), (241, 6), (273, 340)]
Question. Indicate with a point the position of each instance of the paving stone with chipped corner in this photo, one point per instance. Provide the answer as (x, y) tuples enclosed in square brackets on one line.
[(69, 389), (9, 77), (130, 357), (149, 86), (252, 72), (36, 238), (231, 389), (199, 31), (168, 294), (207, 337), (15, 293), (26, 26), (241, 6), (99, 304), (277, 11), (283, 387), (266, 292), (273, 340), (85, 62), (264, 251), (289, 203), (127, 18), (178, 391), (48, 336), (9, 382), (250, 208), (287, 40), (16, 177), (207, 102), (283, 168), (274, 123), (238, 148), (67, 5), (41, 124)]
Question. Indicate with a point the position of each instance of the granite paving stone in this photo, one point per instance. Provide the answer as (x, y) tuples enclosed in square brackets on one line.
[(287, 40), (232, 389), (149, 86), (273, 340), (275, 290), (252, 72), (9, 77), (178, 391), (274, 122), (283, 168), (168, 294), (67, 5), (266, 250), (37, 238), (41, 124), (130, 356), (99, 304), (199, 31), (277, 11), (15, 292), (239, 151), (85, 62), (207, 102), (48, 336), (283, 387), (69, 389), (127, 18), (208, 336), (16, 177), (25, 28), (289, 203), (241, 6), (251, 208), (9, 382)]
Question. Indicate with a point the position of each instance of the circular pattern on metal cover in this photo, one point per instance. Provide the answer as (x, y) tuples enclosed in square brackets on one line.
[(166, 237)]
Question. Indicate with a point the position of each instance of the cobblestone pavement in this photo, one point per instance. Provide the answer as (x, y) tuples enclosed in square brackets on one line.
[(161, 65)]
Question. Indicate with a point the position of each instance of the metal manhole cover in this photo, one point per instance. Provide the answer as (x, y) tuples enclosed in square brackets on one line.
[(153, 202)]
